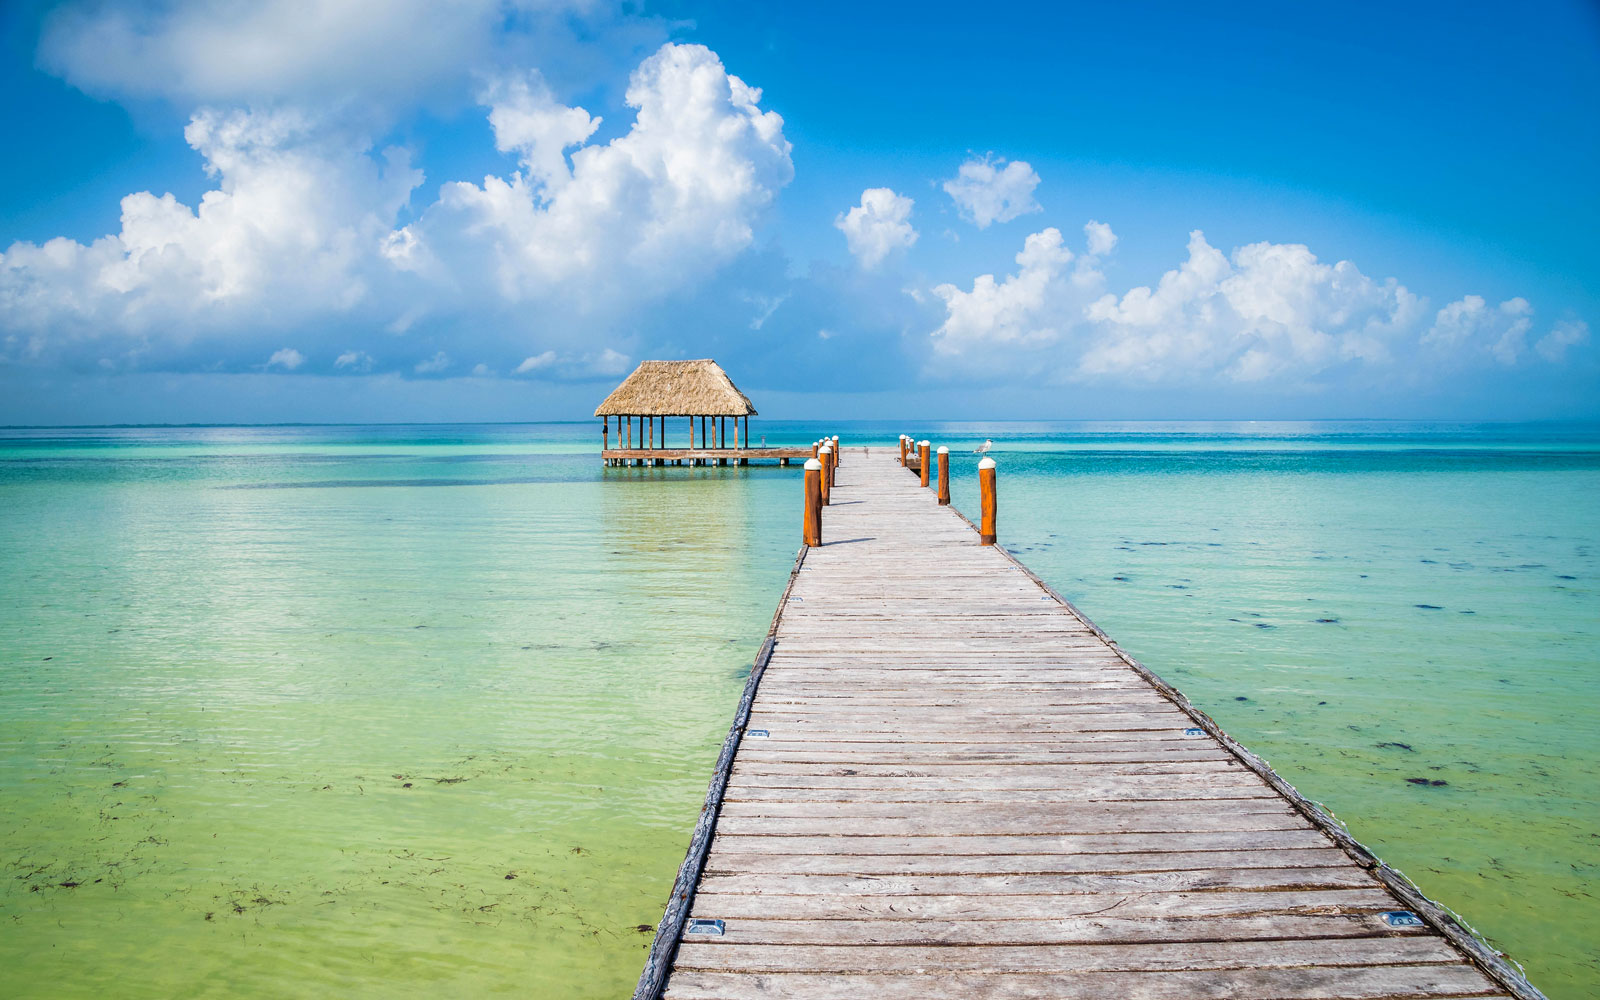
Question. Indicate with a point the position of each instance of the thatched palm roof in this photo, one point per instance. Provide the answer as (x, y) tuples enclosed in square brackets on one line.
[(677, 389)]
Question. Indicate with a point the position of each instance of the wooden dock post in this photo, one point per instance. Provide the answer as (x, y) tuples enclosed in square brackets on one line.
[(812, 529), (825, 456), (986, 531), (922, 460), (903, 441), (944, 476), (838, 453)]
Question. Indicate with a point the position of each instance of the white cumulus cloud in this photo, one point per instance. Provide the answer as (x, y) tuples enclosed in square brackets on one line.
[(288, 234), (1271, 309), (535, 362), (1267, 311), (878, 226), (300, 232), (529, 121), (990, 190), (1566, 333), (355, 52), (998, 323), (664, 204), (1469, 325), (434, 365), (286, 358), (1101, 239)]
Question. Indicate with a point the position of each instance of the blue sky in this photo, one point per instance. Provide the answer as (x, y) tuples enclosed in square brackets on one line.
[(491, 209)]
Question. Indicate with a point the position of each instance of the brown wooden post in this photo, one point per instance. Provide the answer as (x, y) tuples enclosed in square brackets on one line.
[(825, 456), (986, 533), (815, 445), (736, 437), (838, 453), (605, 433), (813, 523), (903, 442), (652, 433), (944, 476), (923, 449)]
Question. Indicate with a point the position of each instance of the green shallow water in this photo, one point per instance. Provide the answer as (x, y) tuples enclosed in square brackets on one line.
[(420, 711)]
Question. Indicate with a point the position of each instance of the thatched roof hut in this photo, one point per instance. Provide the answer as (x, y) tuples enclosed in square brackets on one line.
[(699, 390), (677, 389)]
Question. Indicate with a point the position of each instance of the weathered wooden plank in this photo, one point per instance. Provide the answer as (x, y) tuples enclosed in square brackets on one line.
[(1108, 763), (1120, 781), (1064, 765), (1009, 875), (878, 866), (932, 817), (1021, 906), (981, 818), (1389, 982), (1061, 930), (1122, 843), (1044, 797), (755, 958), (1012, 724), (1068, 777), (984, 741)]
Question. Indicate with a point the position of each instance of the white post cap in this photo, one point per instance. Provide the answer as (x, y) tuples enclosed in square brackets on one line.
[(836, 437), (943, 450), (987, 463), (812, 465), (923, 443)]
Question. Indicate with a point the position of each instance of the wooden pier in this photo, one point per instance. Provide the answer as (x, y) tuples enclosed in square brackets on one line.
[(701, 456), (943, 781)]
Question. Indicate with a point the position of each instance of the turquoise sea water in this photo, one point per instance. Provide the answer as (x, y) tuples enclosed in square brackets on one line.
[(420, 711)]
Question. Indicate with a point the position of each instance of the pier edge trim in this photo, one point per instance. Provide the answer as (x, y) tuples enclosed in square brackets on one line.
[(658, 966)]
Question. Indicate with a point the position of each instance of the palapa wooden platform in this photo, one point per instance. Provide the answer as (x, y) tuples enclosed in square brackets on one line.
[(701, 456), (945, 782)]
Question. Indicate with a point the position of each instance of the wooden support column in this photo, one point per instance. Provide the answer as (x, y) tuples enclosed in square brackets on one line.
[(605, 433), (986, 489), (903, 442), (812, 527), (923, 448), (825, 456), (944, 476)]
